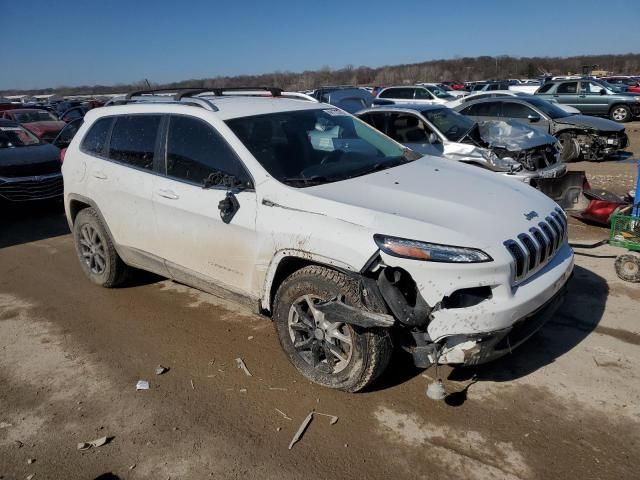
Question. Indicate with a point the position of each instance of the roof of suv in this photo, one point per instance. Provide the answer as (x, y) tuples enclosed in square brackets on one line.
[(229, 106)]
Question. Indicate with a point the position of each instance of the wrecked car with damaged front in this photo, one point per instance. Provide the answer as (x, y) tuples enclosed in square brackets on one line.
[(507, 148), (351, 243), (579, 136)]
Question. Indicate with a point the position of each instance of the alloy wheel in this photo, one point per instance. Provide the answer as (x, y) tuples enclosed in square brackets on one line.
[(323, 344), (92, 249)]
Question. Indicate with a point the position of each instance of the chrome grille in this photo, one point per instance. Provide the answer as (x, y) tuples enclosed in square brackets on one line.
[(31, 188), (533, 249)]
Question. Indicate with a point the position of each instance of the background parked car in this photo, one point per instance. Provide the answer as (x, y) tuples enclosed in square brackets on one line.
[(29, 168), (593, 97), (632, 84), (510, 149), (415, 94), (503, 93), (350, 99), (583, 136), (41, 122)]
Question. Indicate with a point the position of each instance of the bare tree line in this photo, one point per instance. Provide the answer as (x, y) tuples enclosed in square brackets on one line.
[(456, 69)]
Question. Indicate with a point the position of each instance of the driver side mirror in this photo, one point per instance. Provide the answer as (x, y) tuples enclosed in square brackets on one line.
[(433, 138), (603, 92), (533, 118)]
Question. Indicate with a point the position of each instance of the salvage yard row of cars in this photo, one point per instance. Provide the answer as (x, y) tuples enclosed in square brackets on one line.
[(349, 231)]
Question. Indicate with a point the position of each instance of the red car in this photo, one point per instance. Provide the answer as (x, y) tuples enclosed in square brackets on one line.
[(44, 124), (632, 83)]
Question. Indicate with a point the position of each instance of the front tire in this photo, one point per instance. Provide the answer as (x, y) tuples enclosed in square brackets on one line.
[(620, 113), (98, 257), (331, 354), (570, 150)]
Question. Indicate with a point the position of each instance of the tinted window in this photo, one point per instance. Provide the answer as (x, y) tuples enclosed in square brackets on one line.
[(405, 93), (485, 109), (96, 138), (545, 88), (133, 140), (516, 110), (376, 120), (195, 151), (423, 94), (568, 87)]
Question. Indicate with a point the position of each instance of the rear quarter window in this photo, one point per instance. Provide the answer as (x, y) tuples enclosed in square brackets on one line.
[(96, 138), (133, 140), (545, 88)]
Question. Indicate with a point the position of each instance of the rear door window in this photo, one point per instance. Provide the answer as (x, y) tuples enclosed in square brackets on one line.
[(423, 94), (516, 110), (403, 93), (568, 87), (133, 140), (195, 151), (95, 140), (545, 88), (484, 109)]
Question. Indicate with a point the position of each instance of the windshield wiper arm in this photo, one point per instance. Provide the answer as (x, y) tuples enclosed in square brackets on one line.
[(312, 180)]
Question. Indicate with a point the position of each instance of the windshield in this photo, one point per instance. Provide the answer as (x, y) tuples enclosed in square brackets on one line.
[(438, 92), (450, 123), (548, 108), (34, 116), (312, 147), (16, 137)]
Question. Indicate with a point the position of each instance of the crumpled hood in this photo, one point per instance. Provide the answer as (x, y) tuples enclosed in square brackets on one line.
[(513, 135), (436, 200), (47, 126), (595, 123)]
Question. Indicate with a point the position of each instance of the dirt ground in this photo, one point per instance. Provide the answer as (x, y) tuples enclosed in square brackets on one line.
[(564, 405)]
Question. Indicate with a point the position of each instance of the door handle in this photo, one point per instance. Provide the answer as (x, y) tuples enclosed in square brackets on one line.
[(170, 194), (100, 175)]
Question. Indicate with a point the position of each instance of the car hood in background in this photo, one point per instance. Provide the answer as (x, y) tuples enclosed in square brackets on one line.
[(587, 121), (512, 135), (47, 126)]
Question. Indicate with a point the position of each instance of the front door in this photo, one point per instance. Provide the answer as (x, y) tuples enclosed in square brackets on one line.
[(567, 94), (193, 237), (594, 98)]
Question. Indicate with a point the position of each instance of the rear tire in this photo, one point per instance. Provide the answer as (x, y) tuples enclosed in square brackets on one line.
[(628, 267), (331, 354), (98, 257), (620, 113)]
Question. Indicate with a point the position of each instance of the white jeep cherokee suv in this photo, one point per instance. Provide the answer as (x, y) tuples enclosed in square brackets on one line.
[(338, 233)]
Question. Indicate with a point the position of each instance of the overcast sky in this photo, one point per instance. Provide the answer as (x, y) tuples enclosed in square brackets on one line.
[(72, 42)]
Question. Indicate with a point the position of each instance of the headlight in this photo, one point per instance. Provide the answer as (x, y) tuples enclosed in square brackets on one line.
[(431, 252), (502, 164)]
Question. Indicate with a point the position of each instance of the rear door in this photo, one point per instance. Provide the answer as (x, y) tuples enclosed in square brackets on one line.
[(194, 239), (567, 94), (120, 174)]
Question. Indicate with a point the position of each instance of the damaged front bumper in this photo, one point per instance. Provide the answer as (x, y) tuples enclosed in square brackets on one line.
[(476, 349)]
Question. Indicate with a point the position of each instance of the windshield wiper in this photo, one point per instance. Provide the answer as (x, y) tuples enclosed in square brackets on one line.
[(312, 180)]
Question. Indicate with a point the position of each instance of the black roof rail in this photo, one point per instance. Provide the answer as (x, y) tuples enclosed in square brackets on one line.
[(138, 93), (274, 91)]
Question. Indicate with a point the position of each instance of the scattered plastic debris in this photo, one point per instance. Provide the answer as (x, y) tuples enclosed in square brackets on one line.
[(303, 426), (31, 460), (19, 444), (142, 385), (250, 337), (5, 425), (436, 391), (98, 442), (30, 477), (333, 419), (283, 414), (305, 423), (160, 370), (192, 386), (282, 389), (132, 466), (243, 390), (243, 367)]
